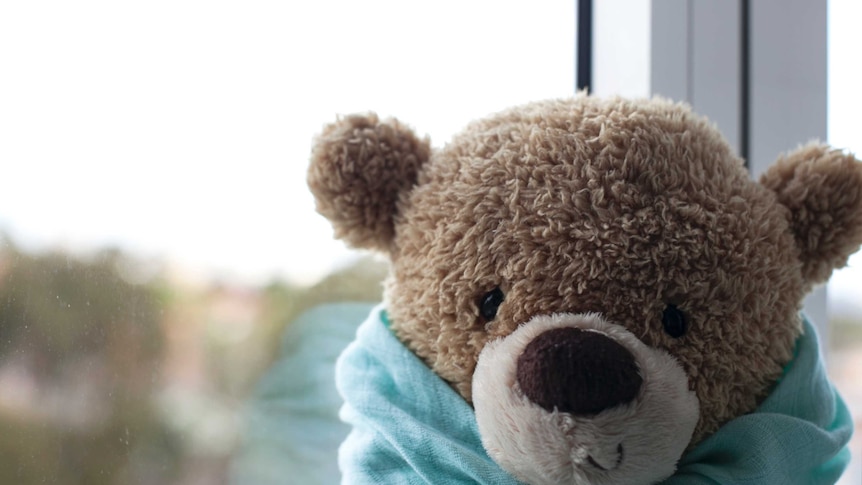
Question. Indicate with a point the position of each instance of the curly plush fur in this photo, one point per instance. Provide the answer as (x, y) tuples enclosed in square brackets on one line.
[(586, 205), (361, 168)]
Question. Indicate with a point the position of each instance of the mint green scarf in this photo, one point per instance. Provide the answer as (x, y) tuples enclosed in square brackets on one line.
[(797, 435), (410, 427)]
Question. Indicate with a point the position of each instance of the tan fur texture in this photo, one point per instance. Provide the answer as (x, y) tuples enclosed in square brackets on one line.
[(588, 205), (360, 170), (825, 202)]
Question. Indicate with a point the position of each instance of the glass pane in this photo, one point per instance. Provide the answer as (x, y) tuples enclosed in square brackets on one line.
[(845, 287), (158, 237)]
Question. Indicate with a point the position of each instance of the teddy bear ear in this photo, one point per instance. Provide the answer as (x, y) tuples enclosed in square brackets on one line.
[(822, 188), (361, 168)]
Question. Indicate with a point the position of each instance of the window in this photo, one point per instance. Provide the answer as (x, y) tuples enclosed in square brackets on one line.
[(158, 234)]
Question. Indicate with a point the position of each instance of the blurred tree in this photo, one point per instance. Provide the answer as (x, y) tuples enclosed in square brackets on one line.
[(85, 341), (88, 344), (63, 309)]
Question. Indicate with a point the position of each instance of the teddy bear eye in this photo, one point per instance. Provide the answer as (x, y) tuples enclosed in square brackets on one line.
[(673, 321), (489, 304)]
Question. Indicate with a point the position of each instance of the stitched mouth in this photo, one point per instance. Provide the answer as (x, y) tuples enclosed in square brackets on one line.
[(616, 465)]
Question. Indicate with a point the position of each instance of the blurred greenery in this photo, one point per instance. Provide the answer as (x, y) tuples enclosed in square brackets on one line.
[(112, 372), (845, 332), (66, 308), (88, 344)]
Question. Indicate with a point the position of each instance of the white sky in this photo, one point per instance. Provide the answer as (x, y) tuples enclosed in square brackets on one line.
[(181, 129)]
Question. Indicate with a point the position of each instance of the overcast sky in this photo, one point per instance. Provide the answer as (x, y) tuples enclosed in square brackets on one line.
[(181, 129)]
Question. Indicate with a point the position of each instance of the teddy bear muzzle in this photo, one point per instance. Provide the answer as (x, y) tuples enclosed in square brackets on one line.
[(574, 399)]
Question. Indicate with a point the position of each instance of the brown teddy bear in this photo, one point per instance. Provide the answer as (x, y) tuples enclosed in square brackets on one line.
[(595, 291)]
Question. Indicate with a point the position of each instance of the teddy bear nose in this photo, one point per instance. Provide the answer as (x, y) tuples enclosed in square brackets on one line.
[(577, 371)]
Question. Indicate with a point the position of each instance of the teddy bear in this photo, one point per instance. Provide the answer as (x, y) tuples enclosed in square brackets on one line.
[(587, 291)]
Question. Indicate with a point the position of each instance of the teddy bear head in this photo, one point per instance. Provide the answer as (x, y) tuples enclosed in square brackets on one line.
[(600, 278)]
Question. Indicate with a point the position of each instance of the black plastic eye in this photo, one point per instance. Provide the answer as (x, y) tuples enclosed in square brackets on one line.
[(674, 322), (489, 304)]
